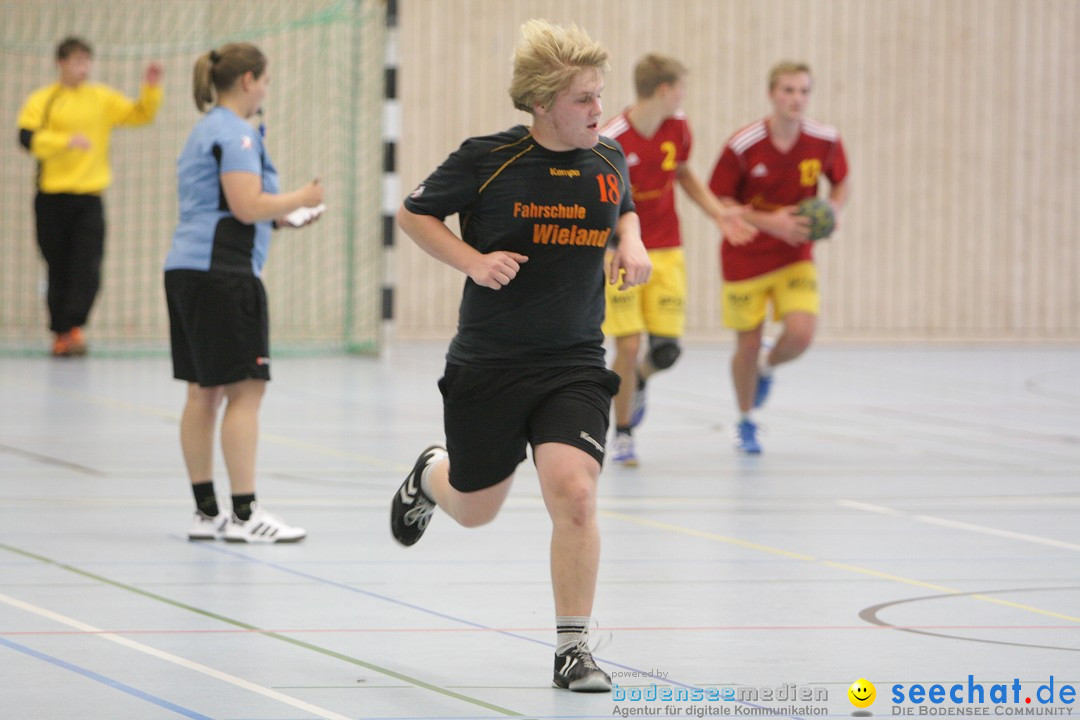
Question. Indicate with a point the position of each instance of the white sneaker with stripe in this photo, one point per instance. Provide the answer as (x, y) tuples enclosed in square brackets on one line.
[(204, 527), (262, 527)]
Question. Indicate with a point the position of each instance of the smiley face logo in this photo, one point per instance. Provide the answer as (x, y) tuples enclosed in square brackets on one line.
[(862, 693)]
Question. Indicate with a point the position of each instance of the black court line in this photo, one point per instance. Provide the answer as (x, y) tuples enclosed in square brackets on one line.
[(49, 460), (871, 613)]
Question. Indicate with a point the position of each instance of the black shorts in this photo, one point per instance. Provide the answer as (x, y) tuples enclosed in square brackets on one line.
[(219, 327), (491, 414)]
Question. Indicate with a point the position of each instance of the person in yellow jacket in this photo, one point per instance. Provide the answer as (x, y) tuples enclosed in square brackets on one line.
[(66, 126)]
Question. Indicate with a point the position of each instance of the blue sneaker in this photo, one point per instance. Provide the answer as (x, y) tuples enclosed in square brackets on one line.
[(747, 441), (761, 392), (622, 451), (637, 406)]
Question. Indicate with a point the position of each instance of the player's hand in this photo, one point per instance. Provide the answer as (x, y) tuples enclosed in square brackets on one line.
[(152, 75), (311, 194), (790, 227), (733, 227), (495, 269), (78, 141), (630, 264)]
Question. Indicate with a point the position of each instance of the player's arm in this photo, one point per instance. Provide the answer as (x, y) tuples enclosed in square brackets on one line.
[(839, 194), (491, 270), (250, 204), (782, 223), (123, 111), (727, 218), (41, 142), (630, 262)]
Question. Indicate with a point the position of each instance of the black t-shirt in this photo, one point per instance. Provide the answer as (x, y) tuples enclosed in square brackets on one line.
[(557, 208)]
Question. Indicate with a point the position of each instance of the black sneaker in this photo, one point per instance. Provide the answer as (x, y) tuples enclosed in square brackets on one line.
[(410, 511), (578, 672)]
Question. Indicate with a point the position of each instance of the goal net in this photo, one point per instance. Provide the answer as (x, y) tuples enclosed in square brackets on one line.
[(323, 119)]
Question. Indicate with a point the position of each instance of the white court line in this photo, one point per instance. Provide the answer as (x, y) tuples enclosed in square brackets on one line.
[(176, 660), (1050, 542), (970, 527), (879, 509)]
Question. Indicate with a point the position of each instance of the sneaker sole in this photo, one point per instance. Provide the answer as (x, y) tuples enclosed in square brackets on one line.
[(265, 542), (590, 686)]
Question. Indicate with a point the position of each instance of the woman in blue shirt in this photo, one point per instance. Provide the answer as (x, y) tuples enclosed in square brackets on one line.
[(219, 325)]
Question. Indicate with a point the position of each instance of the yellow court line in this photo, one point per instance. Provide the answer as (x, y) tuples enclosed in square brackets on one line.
[(679, 529), (707, 535)]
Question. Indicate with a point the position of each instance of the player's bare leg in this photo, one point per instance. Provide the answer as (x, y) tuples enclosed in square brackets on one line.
[(568, 478), (798, 333), (744, 367), (470, 509), (625, 365), (744, 377), (197, 424), (240, 433)]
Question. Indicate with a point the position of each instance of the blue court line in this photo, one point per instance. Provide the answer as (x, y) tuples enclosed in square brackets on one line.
[(386, 598), (114, 684), (418, 608)]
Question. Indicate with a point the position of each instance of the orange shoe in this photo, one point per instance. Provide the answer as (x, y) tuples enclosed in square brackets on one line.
[(78, 341), (69, 344)]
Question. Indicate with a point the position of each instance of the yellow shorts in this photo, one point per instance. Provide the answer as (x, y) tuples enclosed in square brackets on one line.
[(657, 307), (792, 288)]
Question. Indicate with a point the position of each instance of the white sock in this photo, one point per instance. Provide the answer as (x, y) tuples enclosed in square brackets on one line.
[(764, 368), (425, 475), (568, 631)]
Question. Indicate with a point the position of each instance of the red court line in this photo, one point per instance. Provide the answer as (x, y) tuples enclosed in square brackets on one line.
[(681, 628)]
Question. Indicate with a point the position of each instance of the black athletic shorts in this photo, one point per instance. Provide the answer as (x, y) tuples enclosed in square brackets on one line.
[(491, 414), (219, 327)]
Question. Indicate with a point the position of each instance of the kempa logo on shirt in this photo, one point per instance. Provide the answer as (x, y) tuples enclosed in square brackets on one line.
[(245, 142), (417, 192), (559, 172), (759, 170), (632, 159)]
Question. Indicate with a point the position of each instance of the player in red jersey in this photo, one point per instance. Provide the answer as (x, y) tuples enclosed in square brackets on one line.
[(655, 136), (771, 165)]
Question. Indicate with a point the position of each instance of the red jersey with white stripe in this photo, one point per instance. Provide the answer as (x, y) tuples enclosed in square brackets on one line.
[(652, 163), (753, 172)]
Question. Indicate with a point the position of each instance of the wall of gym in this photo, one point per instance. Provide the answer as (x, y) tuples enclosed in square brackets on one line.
[(960, 120)]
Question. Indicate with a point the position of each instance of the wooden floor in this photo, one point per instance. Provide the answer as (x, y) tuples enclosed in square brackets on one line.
[(914, 519)]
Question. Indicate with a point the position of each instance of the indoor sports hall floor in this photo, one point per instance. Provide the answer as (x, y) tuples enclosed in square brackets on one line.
[(915, 519)]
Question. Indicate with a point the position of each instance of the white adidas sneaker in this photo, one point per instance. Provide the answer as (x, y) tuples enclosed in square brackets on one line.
[(262, 527), (205, 527)]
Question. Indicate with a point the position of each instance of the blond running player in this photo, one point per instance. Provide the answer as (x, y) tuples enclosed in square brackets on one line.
[(655, 135), (538, 205)]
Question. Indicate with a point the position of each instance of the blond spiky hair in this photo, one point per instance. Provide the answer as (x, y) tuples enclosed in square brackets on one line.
[(547, 59)]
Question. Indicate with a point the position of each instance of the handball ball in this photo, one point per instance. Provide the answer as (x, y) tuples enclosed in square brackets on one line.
[(822, 219)]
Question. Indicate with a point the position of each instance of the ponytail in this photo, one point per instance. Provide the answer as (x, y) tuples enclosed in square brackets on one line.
[(202, 82), (216, 71)]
